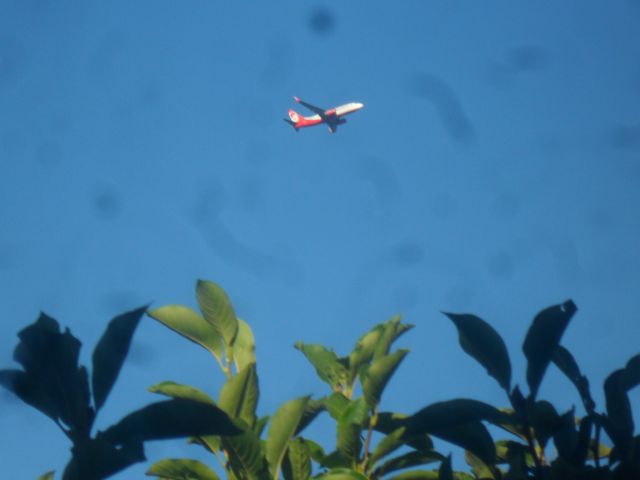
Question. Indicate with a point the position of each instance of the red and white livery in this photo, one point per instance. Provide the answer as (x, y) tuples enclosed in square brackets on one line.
[(332, 117)]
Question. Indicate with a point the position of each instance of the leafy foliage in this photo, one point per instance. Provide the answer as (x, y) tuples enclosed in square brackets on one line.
[(370, 443), (52, 381)]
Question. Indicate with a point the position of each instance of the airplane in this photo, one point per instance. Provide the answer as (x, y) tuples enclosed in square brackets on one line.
[(332, 117)]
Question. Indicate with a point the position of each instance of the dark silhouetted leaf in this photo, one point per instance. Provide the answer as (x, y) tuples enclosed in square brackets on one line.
[(190, 325), (545, 421), (632, 373), (619, 420), (566, 437), (281, 430), (482, 342), (53, 380), (111, 352), (96, 458), (567, 365), (453, 412), (445, 472), (408, 460), (374, 378), (542, 341), (217, 310), (171, 419), (388, 422), (326, 363), (181, 469), (175, 390), (239, 395)]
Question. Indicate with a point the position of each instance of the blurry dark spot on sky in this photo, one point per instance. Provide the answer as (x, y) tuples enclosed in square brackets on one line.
[(103, 58), (447, 105), (48, 153), (526, 59), (444, 205), (458, 298), (120, 301), (506, 205), (625, 137), (407, 253), (13, 60), (322, 21), (381, 176), (280, 61), (106, 203), (500, 265), (140, 353)]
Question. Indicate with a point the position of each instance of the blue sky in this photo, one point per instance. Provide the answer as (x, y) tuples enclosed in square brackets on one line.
[(493, 170)]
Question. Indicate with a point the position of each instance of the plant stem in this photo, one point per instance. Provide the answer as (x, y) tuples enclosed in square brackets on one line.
[(372, 423), (596, 447)]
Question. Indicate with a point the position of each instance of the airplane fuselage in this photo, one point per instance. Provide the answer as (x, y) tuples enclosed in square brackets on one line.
[(331, 117)]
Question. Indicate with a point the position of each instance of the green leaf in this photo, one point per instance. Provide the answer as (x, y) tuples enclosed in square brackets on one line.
[(311, 410), (408, 460), (342, 474), (326, 363), (244, 347), (297, 464), (542, 341), (418, 475), (445, 472), (478, 467), (246, 457), (482, 342), (239, 395), (388, 444), (363, 351), (111, 352), (388, 422), (217, 310), (181, 469), (393, 329), (47, 476), (281, 430), (375, 378), (567, 365), (190, 325), (171, 419), (336, 403), (176, 390), (350, 426)]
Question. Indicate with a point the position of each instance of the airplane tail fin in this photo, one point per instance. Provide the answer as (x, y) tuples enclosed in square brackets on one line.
[(294, 119)]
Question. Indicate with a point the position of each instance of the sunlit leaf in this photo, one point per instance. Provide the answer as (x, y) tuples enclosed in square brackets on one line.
[(393, 329), (244, 346), (478, 467), (181, 469), (111, 352), (171, 419), (239, 395), (374, 379), (336, 403), (190, 325), (326, 363), (246, 457), (311, 410), (482, 342), (217, 310), (342, 474), (47, 476), (281, 430), (542, 340), (350, 426), (176, 390), (388, 444), (297, 463)]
